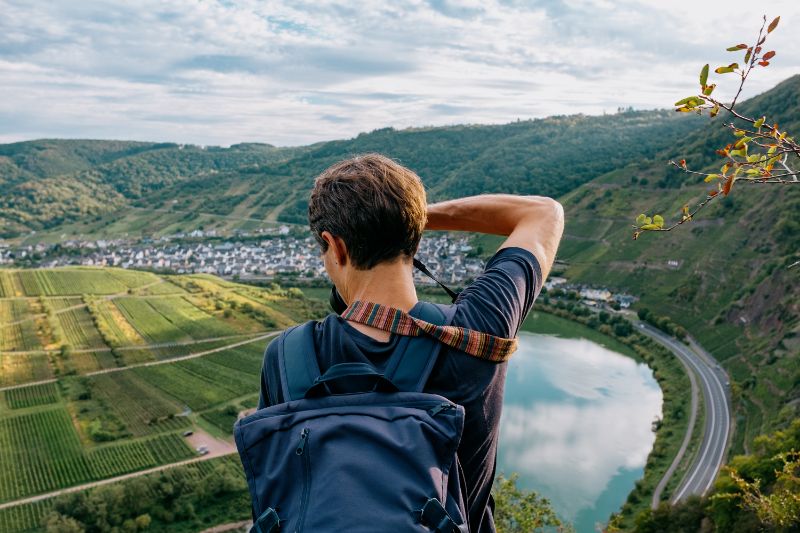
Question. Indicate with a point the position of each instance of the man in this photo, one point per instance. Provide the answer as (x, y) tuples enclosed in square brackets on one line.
[(368, 214)]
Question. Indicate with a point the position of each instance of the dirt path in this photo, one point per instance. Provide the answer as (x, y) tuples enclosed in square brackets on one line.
[(151, 363), (140, 346), (244, 525), (184, 357)]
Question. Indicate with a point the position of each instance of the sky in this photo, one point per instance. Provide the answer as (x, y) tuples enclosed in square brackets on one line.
[(218, 72)]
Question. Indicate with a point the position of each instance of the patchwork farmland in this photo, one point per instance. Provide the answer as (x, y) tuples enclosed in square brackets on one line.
[(102, 371)]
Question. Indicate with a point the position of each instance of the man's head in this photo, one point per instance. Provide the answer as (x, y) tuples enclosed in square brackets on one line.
[(374, 206)]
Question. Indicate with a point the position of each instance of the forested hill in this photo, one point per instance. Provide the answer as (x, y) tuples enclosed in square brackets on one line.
[(49, 182), (728, 282)]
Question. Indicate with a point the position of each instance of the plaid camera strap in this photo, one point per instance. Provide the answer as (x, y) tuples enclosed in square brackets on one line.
[(474, 343)]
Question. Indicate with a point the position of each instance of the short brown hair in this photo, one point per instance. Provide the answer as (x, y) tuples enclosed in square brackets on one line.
[(375, 205)]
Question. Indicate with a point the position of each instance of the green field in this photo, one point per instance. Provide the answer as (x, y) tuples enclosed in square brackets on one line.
[(79, 329), (223, 418), (199, 383), (170, 319), (141, 407), (231, 506), (68, 327), (75, 281), (32, 396), (17, 329), (23, 368), (41, 451)]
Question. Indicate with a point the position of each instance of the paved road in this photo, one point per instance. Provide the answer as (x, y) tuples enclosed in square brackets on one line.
[(714, 386)]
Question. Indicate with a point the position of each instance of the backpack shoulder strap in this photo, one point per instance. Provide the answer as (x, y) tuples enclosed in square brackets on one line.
[(297, 360), (414, 357)]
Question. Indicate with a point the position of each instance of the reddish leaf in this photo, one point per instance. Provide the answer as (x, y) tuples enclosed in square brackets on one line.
[(713, 193), (683, 163), (763, 63), (773, 24), (769, 55), (726, 187)]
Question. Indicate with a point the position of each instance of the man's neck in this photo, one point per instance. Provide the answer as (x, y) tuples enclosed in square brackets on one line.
[(390, 284)]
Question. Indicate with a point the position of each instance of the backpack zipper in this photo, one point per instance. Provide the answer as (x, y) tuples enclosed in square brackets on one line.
[(444, 406), (303, 453)]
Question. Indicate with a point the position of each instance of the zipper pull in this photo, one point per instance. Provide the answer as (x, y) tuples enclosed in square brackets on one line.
[(303, 439), (445, 406)]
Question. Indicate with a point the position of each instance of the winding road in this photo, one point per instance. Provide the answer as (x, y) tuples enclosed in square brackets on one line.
[(715, 387)]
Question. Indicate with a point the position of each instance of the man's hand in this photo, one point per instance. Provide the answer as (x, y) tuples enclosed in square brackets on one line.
[(534, 223)]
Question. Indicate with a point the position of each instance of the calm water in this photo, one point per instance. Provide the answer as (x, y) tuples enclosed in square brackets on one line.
[(576, 425)]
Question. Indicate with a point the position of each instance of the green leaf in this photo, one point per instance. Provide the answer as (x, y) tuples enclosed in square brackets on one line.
[(704, 76), (723, 70), (711, 177), (760, 122), (648, 220), (709, 89), (752, 158), (737, 47), (641, 219), (685, 101), (738, 133), (658, 220), (753, 171), (773, 24), (650, 226)]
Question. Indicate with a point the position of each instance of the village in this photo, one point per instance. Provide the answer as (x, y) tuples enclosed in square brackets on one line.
[(451, 259)]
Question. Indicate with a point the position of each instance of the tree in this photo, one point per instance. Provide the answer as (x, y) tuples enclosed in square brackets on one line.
[(779, 507), (519, 511), (759, 153)]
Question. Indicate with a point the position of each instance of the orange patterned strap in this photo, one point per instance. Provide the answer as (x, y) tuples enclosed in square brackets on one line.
[(474, 343)]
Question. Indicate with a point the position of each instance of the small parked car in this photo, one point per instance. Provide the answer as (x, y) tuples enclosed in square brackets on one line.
[(188, 433)]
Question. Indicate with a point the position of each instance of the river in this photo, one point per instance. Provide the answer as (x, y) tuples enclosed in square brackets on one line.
[(576, 424)]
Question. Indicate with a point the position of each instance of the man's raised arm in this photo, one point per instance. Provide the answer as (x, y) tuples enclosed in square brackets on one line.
[(534, 223)]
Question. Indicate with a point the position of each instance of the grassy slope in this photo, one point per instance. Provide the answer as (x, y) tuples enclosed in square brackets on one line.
[(731, 289)]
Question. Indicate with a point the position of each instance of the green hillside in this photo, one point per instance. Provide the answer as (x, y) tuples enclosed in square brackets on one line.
[(98, 184), (103, 370), (730, 288)]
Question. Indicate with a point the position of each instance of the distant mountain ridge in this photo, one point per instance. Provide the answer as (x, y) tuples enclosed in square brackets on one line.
[(49, 182)]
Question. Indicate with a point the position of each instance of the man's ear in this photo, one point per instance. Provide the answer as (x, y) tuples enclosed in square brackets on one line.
[(337, 247)]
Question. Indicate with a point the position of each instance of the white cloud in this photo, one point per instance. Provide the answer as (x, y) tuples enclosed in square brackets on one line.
[(219, 72)]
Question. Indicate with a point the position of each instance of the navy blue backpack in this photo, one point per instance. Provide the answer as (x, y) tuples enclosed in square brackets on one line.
[(356, 450)]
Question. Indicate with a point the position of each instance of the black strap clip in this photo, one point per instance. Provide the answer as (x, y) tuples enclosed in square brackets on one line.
[(268, 522), (434, 516)]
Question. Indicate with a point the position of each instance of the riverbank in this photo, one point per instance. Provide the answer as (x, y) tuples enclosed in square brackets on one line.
[(667, 370)]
